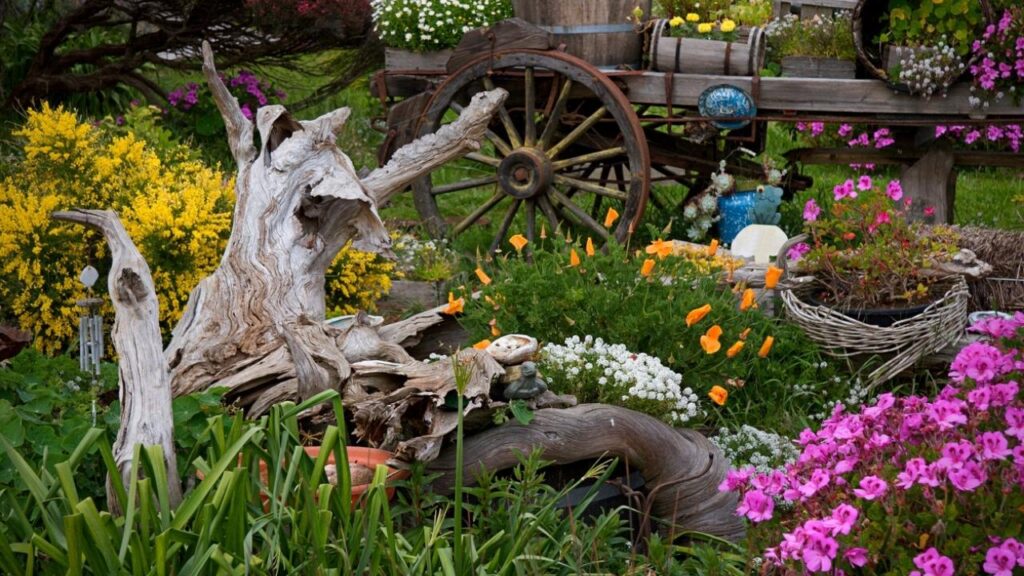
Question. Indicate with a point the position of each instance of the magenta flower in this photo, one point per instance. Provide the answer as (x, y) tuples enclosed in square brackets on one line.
[(871, 488), (797, 251), (843, 518), (864, 183), (811, 210), (844, 190), (994, 446), (967, 477), (757, 506), (845, 130), (999, 561), (856, 556), (894, 190), (934, 564), (1015, 421)]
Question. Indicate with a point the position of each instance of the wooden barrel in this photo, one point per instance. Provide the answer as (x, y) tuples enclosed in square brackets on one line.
[(598, 31), (868, 24), (696, 56)]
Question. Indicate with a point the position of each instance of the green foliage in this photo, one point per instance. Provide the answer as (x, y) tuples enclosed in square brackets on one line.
[(820, 36), (607, 297), (924, 22)]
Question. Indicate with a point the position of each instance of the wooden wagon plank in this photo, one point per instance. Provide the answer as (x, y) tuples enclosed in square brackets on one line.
[(809, 95)]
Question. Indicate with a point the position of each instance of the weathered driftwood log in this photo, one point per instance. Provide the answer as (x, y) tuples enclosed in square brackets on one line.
[(12, 341), (681, 468), (256, 324), (143, 380)]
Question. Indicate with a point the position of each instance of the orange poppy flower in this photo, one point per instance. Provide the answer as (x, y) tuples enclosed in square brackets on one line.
[(718, 395), (744, 334), (713, 247), (482, 276), (482, 345), (518, 241), (590, 247), (747, 302), (610, 217), (454, 305), (766, 346), (659, 247), (710, 345), (849, 236), (647, 267), (771, 277), (714, 332), (697, 314), (574, 258), (735, 349)]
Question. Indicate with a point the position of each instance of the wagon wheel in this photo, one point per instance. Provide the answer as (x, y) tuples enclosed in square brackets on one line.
[(564, 148)]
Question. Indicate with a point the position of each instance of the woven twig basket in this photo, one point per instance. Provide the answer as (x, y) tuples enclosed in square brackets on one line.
[(903, 343)]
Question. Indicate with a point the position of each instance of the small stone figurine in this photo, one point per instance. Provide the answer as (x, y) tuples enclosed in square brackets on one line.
[(528, 385)]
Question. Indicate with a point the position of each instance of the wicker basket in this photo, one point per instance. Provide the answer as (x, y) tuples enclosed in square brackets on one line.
[(902, 344)]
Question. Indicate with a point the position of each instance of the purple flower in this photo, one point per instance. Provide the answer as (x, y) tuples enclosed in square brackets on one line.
[(811, 210), (757, 506), (999, 561), (864, 183), (894, 190), (246, 111), (912, 471), (856, 556), (844, 517), (1015, 421), (933, 563), (797, 251), (871, 488), (967, 477), (734, 479), (845, 130), (980, 362), (993, 446), (844, 190)]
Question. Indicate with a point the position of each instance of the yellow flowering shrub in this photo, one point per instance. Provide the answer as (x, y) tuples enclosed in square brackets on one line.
[(356, 280), (176, 209)]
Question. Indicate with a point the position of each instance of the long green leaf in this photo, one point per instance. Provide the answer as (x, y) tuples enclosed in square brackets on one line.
[(314, 400), (98, 535), (198, 494), (73, 524), (129, 517), (8, 562)]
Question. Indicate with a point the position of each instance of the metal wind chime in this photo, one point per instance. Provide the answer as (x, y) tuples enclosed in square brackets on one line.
[(90, 331)]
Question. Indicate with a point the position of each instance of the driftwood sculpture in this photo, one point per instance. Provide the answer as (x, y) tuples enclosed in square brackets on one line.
[(681, 468)]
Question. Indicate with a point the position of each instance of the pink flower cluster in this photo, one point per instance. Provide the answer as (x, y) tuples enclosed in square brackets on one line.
[(867, 486), (1000, 52), (1010, 135)]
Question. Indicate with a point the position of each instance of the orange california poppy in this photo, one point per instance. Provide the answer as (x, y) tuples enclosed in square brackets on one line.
[(697, 314), (744, 334), (482, 345), (518, 241), (718, 395), (659, 247), (610, 217), (734, 349), (766, 346), (454, 305), (714, 332), (771, 277), (747, 302), (709, 344), (647, 267), (590, 247), (713, 247), (543, 231), (574, 258), (482, 276)]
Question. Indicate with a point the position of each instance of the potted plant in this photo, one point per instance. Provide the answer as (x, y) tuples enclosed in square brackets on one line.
[(420, 34), (693, 44), (998, 69), (817, 47), (868, 260), (918, 46)]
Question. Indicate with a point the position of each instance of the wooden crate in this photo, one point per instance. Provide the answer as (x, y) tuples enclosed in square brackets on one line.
[(812, 8), (398, 59)]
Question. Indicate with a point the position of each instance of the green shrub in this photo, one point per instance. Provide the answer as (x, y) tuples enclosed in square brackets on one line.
[(607, 297)]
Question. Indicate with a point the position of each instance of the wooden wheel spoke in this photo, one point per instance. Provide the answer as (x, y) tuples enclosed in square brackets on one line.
[(591, 187), (587, 124), (595, 210), (498, 141), (476, 214), (483, 159), (531, 227), (464, 185), (549, 213), (556, 114), (506, 119), (506, 223), (581, 214), (530, 132), (585, 158)]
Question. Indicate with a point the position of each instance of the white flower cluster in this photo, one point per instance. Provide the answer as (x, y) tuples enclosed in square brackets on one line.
[(749, 446), (417, 259), (422, 25), (931, 69), (639, 381)]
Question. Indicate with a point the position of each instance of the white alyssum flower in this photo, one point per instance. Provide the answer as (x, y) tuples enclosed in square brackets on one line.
[(640, 381), (750, 446)]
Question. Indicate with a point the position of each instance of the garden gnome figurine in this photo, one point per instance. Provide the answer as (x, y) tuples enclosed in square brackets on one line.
[(528, 385)]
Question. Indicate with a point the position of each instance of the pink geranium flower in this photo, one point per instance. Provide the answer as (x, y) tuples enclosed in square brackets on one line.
[(811, 210), (871, 488), (894, 190)]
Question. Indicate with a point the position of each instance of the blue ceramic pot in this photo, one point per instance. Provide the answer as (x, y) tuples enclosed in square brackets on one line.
[(733, 212)]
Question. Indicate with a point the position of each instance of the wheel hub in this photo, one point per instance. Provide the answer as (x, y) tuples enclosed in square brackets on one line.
[(524, 173)]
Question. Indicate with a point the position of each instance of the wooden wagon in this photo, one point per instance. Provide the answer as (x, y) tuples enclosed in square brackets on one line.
[(587, 126)]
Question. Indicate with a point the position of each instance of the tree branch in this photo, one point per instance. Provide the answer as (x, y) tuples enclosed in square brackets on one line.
[(239, 127)]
